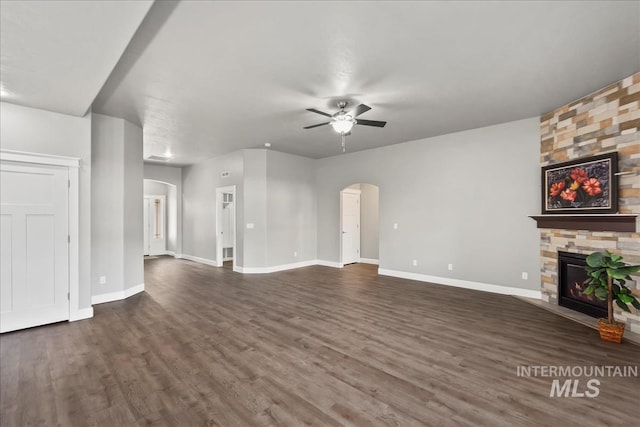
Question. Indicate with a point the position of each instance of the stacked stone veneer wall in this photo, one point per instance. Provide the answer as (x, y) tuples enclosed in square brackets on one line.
[(604, 121)]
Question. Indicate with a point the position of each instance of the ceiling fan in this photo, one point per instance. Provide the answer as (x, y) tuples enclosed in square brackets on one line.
[(343, 121)]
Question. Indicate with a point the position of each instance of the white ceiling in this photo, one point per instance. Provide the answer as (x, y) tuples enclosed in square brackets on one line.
[(209, 77), (56, 55)]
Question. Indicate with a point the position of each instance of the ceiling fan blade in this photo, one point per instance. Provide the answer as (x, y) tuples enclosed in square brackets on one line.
[(370, 123), (359, 110), (313, 110), (315, 126)]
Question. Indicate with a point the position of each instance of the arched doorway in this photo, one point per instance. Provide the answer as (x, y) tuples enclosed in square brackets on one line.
[(359, 224), (160, 218)]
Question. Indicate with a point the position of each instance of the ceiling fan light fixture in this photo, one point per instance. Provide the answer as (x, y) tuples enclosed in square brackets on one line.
[(343, 123)]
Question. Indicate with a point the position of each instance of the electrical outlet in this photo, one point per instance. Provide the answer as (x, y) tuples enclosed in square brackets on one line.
[(525, 275), (295, 254), (395, 226), (103, 280), (250, 225), (415, 262), (450, 267)]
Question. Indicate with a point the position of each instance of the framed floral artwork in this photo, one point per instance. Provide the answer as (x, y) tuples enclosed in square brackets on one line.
[(584, 186)]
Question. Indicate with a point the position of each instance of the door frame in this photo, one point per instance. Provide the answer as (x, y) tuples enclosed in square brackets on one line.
[(163, 204), (218, 210), (348, 191), (73, 166)]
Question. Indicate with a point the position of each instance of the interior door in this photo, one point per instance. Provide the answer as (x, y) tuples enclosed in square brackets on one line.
[(34, 245), (350, 227), (145, 214), (225, 220), (156, 239)]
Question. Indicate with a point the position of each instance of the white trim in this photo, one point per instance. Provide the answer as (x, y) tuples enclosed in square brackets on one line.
[(133, 290), (38, 158), (72, 164), (111, 296), (80, 314), (178, 256), (351, 191), (486, 287), (219, 249), (75, 312), (118, 295), (369, 261), (273, 269), (172, 253), (333, 264), (210, 262), (163, 216)]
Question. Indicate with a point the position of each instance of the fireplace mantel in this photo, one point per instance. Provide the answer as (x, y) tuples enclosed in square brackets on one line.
[(595, 222)]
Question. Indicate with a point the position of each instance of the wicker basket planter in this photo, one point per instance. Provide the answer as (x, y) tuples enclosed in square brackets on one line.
[(610, 332)]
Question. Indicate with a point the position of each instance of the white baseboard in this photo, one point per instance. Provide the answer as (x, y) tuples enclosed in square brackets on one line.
[(210, 262), (118, 295), (273, 269), (369, 261), (486, 287), (133, 290), (80, 314), (173, 254), (177, 256), (329, 263)]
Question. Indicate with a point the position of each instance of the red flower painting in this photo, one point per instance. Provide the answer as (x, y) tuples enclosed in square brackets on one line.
[(592, 187), (579, 175), (556, 188), (569, 195), (584, 185)]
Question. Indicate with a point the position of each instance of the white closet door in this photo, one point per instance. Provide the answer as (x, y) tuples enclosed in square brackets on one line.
[(34, 245), (350, 228), (145, 213)]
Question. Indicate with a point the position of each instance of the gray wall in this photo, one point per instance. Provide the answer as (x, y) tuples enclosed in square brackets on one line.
[(107, 204), (133, 209), (291, 209), (117, 227), (254, 205), (199, 183), (274, 191), (173, 176), (461, 198), (155, 188), (369, 221), (39, 131)]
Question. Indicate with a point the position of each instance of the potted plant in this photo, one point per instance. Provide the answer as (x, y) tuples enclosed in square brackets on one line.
[(607, 277)]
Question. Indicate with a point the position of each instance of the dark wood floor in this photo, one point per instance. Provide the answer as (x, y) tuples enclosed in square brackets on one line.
[(317, 346)]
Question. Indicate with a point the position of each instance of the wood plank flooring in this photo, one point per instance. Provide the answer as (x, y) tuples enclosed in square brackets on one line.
[(312, 346)]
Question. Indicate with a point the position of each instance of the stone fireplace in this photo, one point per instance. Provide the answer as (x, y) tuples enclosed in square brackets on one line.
[(571, 277), (604, 121)]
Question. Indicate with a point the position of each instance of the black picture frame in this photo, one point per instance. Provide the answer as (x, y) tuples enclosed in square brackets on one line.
[(582, 186)]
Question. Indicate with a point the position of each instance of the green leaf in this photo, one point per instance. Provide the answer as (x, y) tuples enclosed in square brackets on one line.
[(596, 259), (589, 290), (636, 304), (617, 273), (616, 289), (601, 293), (625, 298), (615, 257), (623, 306)]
